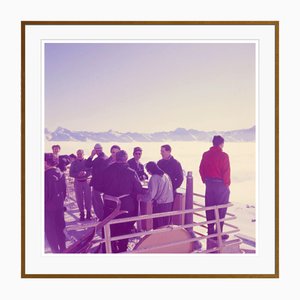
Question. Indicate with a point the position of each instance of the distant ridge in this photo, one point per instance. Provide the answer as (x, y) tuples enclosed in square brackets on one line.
[(179, 134)]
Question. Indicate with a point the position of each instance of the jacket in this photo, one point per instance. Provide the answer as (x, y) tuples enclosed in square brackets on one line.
[(160, 189), (118, 180), (98, 165), (215, 165), (139, 168), (55, 189), (173, 168), (78, 166), (63, 161)]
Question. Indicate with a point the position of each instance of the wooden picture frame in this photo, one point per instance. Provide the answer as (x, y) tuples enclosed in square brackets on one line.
[(266, 33)]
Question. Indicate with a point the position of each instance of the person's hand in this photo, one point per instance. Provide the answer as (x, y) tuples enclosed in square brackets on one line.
[(82, 173), (93, 153)]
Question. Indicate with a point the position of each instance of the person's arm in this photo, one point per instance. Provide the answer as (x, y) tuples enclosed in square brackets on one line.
[(88, 172), (178, 178), (202, 169), (145, 176), (89, 162), (226, 170), (64, 186), (137, 186)]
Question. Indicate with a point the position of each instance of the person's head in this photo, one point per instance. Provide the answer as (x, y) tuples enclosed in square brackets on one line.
[(165, 151), (121, 156), (152, 168), (98, 149), (218, 141), (55, 149), (50, 160), (137, 153), (72, 157), (80, 154), (113, 151)]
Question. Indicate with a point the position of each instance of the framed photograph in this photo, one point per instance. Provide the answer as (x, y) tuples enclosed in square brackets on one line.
[(175, 123)]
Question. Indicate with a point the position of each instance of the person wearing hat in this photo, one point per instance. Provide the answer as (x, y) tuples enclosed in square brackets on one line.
[(214, 170), (98, 163), (135, 164), (55, 194)]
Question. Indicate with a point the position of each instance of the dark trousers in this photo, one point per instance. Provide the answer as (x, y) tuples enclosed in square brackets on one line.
[(216, 193), (97, 202), (54, 230), (160, 208), (119, 229)]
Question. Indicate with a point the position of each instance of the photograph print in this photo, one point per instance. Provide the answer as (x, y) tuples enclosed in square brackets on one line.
[(133, 130)]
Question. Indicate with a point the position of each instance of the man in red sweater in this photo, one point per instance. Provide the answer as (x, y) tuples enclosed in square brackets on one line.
[(215, 173)]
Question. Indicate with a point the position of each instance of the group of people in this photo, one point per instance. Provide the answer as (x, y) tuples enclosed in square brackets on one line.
[(119, 177)]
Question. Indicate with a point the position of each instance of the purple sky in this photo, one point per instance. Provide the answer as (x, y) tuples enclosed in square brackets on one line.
[(143, 87)]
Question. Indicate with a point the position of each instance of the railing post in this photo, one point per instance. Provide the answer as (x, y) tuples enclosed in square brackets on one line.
[(218, 226), (107, 238), (189, 198)]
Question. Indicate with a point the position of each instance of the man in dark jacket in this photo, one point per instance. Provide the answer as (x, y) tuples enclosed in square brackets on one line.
[(135, 164), (120, 180), (55, 194), (171, 166), (98, 166), (215, 174)]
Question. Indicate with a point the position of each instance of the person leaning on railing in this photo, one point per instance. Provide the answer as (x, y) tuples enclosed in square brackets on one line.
[(215, 174), (160, 191)]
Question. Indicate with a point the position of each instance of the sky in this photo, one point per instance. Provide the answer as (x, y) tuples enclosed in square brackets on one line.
[(149, 87)]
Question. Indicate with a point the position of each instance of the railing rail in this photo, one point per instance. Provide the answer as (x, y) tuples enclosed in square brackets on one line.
[(218, 245), (108, 239)]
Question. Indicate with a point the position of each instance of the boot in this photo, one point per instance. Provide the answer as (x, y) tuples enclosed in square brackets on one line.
[(88, 215), (81, 216)]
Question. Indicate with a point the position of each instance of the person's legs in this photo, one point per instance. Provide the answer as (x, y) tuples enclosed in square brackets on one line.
[(107, 210), (97, 204), (123, 229), (210, 201), (60, 225), (223, 198), (50, 231), (160, 208), (87, 199), (79, 198)]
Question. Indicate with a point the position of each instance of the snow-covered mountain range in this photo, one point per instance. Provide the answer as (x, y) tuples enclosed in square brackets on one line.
[(179, 134)]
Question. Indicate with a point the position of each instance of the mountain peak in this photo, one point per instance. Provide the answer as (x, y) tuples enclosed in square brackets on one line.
[(179, 134)]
